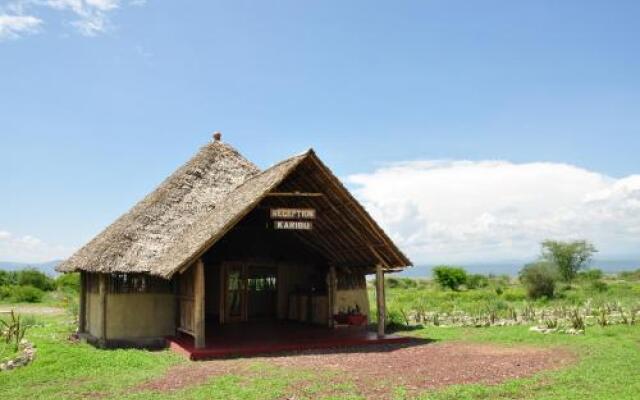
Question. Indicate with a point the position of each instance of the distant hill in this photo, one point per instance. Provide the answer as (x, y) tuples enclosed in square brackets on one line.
[(512, 268), (46, 267), (420, 271)]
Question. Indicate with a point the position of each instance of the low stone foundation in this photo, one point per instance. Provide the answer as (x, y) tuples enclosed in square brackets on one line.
[(26, 356), (150, 343)]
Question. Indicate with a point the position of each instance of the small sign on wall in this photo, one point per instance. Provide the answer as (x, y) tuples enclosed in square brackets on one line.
[(293, 225), (293, 218), (293, 213)]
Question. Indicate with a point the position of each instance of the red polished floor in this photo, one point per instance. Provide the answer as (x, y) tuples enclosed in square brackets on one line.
[(252, 338)]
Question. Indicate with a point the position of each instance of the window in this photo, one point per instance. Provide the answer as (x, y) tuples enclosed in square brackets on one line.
[(138, 283)]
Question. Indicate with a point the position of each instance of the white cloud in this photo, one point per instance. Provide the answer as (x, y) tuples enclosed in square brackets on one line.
[(28, 248), (467, 211), (15, 26), (89, 17)]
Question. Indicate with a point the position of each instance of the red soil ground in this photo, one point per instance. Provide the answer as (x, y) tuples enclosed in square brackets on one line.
[(376, 369)]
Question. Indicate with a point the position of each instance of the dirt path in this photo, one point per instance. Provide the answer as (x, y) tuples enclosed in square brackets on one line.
[(375, 370), (30, 309)]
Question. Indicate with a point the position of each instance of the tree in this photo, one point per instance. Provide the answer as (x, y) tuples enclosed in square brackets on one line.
[(8, 278), (68, 282), (35, 278), (476, 281), (569, 257), (539, 279), (450, 277)]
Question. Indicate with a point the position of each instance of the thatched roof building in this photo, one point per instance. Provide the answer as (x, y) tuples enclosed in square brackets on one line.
[(217, 201), (203, 199)]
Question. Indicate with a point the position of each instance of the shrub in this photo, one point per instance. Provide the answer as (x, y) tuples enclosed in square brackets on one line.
[(591, 275), (569, 257), (499, 280), (14, 329), (391, 283), (5, 292), (630, 275), (395, 320), (7, 278), (68, 282), (602, 316), (26, 294), (577, 320), (475, 281), (599, 286), (539, 279), (450, 277), (401, 283), (35, 278), (71, 303), (515, 294)]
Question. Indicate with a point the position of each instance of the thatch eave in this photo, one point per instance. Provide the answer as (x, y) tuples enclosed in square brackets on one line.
[(197, 205)]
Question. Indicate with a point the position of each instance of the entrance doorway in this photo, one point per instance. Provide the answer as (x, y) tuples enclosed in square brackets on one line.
[(250, 292)]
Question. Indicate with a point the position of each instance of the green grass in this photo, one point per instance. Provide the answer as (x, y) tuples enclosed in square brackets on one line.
[(63, 370), (500, 295), (608, 365), (52, 298), (7, 351)]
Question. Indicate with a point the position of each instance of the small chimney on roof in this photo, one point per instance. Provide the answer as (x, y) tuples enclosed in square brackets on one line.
[(217, 136)]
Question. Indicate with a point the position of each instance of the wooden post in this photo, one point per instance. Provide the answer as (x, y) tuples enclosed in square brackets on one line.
[(82, 310), (380, 299), (222, 301), (102, 292), (177, 295), (198, 305), (332, 282)]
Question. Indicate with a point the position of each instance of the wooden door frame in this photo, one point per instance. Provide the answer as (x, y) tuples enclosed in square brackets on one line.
[(224, 286), (226, 267)]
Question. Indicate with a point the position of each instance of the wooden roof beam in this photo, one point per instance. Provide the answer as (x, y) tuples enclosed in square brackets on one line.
[(295, 194)]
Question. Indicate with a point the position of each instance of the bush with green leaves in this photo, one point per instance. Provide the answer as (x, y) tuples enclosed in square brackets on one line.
[(8, 278), (599, 286), (395, 320), (450, 277), (6, 292), (35, 278), (539, 279), (68, 282), (514, 294), (630, 275), (476, 281), (13, 329), (23, 294), (403, 283), (593, 274), (569, 257)]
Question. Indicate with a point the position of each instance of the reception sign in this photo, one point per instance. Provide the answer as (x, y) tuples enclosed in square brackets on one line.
[(293, 218)]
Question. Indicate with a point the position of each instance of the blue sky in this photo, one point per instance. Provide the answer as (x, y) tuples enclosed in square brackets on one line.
[(101, 99)]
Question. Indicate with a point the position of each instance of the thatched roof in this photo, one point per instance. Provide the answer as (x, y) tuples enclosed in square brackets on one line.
[(197, 205)]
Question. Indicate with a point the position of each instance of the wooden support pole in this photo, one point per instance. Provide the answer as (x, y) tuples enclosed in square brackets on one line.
[(294, 194), (198, 305), (177, 296), (222, 298), (102, 296), (380, 299), (82, 310), (332, 286)]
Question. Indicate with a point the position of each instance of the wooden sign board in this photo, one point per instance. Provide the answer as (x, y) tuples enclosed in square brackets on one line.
[(293, 213), (293, 225)]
